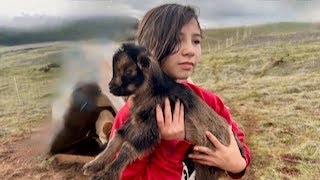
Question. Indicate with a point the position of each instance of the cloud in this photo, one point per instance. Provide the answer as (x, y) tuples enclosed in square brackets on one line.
[(212, 12), (10, 8), (98, 7), (240, 12)]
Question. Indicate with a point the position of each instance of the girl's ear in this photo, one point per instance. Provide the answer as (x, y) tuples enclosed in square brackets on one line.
[(143, 61)]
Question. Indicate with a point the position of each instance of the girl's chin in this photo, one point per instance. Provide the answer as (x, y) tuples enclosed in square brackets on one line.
[(183, 77)]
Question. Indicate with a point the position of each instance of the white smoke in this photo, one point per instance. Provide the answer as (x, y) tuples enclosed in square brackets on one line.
[(83, 62)]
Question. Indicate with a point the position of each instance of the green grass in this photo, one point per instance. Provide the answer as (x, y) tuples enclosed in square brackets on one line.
[(273, 93), (272, 90), (260, 35), (27, 91)]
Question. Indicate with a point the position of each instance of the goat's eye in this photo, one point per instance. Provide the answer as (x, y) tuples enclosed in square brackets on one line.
[(128, 72)]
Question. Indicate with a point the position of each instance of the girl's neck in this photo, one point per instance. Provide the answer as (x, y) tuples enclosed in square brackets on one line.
[(184, 80)]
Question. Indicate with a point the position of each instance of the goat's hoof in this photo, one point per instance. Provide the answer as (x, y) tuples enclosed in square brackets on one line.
[(104, 175), (92, 168)]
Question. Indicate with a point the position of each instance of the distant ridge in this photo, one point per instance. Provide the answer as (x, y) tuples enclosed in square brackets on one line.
[(56, 29), (279, 32)]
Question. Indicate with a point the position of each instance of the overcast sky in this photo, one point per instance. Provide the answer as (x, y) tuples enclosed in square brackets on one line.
[(213, 13)]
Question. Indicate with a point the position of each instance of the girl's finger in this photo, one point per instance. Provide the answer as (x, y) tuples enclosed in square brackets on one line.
[(214, 140), (203, 162), (181, 115), (232, 138), (176, 112), (200, 157), (159, 115), (167, 113), (204, 150)]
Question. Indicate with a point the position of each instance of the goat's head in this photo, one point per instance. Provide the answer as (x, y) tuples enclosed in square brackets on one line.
[(86, 95), (130, 65)]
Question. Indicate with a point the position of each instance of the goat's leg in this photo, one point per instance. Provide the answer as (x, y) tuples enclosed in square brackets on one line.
[(105, 157), (131, 150)]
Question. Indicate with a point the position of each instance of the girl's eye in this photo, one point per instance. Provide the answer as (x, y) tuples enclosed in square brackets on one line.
[(197, 41)]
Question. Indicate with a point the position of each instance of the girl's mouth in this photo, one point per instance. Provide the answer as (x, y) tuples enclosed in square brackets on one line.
[(186, 65)]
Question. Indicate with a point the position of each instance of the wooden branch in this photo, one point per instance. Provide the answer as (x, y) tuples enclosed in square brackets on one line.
[(70, 158)]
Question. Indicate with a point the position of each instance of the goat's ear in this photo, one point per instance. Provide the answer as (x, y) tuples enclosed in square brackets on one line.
[(143, 61)]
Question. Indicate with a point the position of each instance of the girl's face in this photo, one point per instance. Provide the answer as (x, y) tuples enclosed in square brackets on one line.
[(181, 63)]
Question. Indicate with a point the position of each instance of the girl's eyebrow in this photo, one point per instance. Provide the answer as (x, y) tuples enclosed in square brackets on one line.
[(197, 35), (193, 35)]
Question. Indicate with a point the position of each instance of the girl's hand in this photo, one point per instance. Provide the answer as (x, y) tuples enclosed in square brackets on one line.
[(171, 126), (227, 158)]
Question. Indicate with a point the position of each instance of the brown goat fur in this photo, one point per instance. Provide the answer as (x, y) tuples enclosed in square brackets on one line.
[(135, 72)]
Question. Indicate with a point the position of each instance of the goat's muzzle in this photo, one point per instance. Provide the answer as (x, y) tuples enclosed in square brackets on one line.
[(114, 89)]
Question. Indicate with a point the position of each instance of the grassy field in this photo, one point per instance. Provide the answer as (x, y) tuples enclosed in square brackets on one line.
[(270, 81), (26, 90), (273, 92)]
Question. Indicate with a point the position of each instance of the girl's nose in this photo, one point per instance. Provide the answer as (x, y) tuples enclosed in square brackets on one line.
[(187, 49)]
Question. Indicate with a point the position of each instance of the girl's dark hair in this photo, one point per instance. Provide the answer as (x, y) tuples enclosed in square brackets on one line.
[(160, 27)]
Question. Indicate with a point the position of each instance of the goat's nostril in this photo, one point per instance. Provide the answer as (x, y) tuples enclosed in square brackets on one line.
[(111, 84)]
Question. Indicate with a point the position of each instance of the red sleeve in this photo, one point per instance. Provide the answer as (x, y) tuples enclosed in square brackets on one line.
[(216, 103), (165, 162)]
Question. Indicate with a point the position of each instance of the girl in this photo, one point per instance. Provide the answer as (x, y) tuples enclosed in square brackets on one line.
[(173, 35)]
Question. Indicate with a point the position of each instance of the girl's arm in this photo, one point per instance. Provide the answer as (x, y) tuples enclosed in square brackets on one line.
[(221, 109), (216, 104)]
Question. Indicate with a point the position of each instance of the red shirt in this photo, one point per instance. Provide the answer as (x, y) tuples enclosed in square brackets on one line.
[(165, 162)]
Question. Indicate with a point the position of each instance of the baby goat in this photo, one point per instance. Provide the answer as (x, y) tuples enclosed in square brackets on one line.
[(135, 72)]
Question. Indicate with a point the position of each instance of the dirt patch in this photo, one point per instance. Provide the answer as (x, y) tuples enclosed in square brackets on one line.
[(295, 160), (25, 157), (290, 159), (250, 129), (289, 171)]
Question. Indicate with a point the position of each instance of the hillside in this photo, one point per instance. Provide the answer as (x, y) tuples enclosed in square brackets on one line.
[(109, 28), (271, 84), (270, 81), (260, 35)]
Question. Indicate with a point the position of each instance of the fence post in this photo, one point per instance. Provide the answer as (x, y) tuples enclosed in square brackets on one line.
[(17, 90), (244, 33), (38, 88), (237, 34)]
